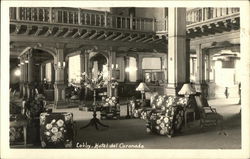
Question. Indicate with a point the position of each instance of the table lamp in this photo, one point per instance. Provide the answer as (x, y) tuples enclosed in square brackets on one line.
[(186, 90), (142, 88)]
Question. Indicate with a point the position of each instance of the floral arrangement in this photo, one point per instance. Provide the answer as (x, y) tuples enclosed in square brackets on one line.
[(113, 83), (134, 105), (110, 101), (110, 108), (93, 83), (56, 130), (34, 107)]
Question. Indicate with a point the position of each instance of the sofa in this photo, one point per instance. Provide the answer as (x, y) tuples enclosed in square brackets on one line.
[(165, 115)]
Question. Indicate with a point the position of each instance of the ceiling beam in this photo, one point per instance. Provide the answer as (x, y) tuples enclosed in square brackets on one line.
[(101, 36), (94, 35), (118, 37), (59, 31), (48, 32), (134, 38), (70, 30), (38, 31), (30, 41), (84, 35), (77, 33), (111, 36)]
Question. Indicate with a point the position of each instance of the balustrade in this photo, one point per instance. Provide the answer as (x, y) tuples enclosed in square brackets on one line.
[(84, 17), (203, 14), (161, 24)]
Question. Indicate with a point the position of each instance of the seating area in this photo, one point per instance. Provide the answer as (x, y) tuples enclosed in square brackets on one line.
[(162, 116), (124, 78)]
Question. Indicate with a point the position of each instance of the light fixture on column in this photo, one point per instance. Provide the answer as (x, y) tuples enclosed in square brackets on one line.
[(17, 72), (114, 66), (26, 61), (60, 65), (127, 69)]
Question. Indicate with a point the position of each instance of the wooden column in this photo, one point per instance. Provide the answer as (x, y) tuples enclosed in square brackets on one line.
[(86, 62), (21, 86), (52, 73), (30, 68), (30, 74), (86, 69), (42, 71), (165, 68), (200, 65), (177, 59), (111, 61), (200, 84), (59, 85), (25, 76), (187, 60), (139, 68), (82, 62)]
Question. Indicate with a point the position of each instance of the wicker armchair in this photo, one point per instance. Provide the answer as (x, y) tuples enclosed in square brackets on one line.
[(208, 115)]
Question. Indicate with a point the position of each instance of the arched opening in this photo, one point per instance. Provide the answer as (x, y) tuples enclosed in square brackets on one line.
[(98, 64), (43, 73)]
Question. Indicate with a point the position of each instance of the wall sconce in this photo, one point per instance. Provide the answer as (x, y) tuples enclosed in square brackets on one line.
[(164, 68), (17, 72), (60, 65), (127, 69), (114, 66), (26, 61)]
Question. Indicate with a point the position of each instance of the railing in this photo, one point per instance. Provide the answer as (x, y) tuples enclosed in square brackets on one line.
[(203, 14), (82, 17), (161, 25)]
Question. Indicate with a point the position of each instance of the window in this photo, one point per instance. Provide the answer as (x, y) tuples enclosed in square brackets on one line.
[(132, 69), (74, 69), (48, 72), (152, 70), (120, 69)]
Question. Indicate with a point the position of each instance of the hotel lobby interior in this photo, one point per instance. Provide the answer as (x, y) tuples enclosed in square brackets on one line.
[(125, 78)]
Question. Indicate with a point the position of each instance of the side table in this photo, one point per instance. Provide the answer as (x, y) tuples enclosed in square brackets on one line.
[(189, 110)]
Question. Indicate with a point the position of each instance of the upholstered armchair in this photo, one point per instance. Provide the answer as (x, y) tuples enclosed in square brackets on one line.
[(110, 108), (18, 125), (57, 130), (166, 116), (139, 107)]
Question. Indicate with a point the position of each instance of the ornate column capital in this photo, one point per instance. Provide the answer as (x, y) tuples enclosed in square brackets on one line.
[(60, 45)]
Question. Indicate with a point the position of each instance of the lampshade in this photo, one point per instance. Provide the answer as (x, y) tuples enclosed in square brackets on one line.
[(186, 90), (142, 87)]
